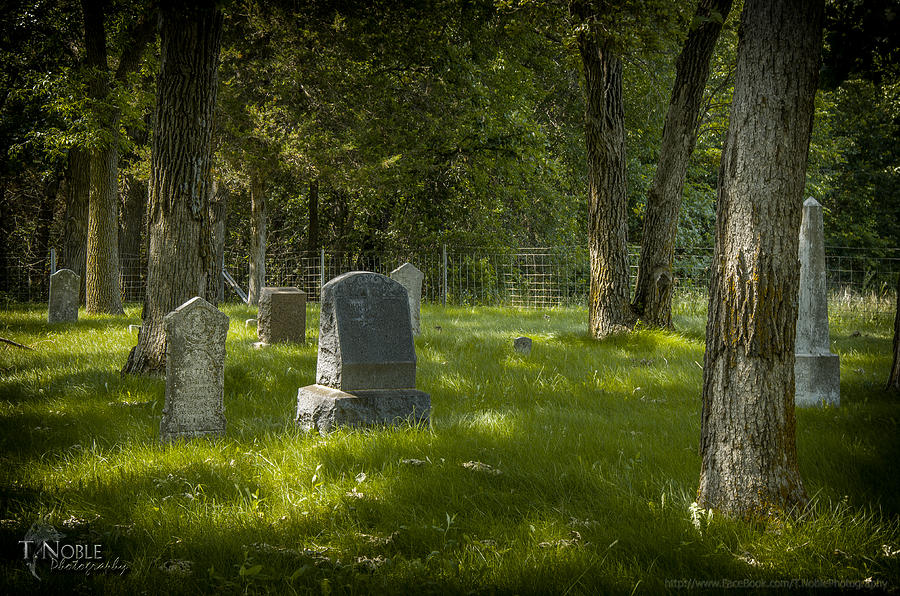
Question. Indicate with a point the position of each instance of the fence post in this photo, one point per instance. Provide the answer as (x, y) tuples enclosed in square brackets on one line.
[(222, 280), (444, 271), (321, 269), (52, 261)]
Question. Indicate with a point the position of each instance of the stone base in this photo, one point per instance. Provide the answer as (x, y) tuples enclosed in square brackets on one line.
[(166, 436), (817, 378), (324, 408)]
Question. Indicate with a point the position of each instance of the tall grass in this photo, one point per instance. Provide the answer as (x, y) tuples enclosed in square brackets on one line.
[(571, 470)]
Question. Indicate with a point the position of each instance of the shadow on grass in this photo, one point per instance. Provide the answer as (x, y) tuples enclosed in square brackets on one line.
[(595, 472)]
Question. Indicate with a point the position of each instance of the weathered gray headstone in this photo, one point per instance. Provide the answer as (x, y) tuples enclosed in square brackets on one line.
[(522, 345), (63, 306), (250, 323), (195, 371), (366, 367), (411, 278), (817, 372), (282, 316)]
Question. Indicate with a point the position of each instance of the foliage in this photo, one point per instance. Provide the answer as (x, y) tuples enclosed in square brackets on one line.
[(446, 121)]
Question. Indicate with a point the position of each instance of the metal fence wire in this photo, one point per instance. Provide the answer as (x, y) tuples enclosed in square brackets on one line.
[(545, 277), (540, 277)]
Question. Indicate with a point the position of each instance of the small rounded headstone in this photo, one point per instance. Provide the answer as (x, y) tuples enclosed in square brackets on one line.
[(522, 345), (134, 328), (250, 323)]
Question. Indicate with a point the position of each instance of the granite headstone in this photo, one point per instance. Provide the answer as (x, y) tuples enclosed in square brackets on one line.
[(282, 316), (366, 367), (817, 372), (522, 345), (63, 305), (195, 371)]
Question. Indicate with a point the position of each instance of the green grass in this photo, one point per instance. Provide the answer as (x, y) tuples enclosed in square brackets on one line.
[(591, 448)]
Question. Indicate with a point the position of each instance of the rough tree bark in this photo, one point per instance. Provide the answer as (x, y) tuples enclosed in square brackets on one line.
[(894, 377), (180, 177), (5, 230), (45, 220), (258, 216), (102, 263), (653, 291), (78, 187), (132, 210), (218, 208), (609, 310), (313, 240), (748, 438)]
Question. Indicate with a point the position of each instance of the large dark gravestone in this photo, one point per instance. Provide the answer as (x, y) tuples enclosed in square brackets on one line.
[(366, 368)]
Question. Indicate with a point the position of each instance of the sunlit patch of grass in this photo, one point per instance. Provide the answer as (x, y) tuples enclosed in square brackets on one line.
[(571, 469)]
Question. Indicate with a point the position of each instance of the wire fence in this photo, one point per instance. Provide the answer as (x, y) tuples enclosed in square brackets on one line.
[(521, 277)]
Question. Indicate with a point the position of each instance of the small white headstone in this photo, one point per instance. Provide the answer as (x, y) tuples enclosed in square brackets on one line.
[(408, 276), (817, 372)]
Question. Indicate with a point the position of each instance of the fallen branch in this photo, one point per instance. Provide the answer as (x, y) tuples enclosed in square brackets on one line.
[(12, 343)]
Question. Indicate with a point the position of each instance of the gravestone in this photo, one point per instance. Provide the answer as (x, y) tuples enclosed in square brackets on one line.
[(63, 305), (522, 345), (366, 367), (195, 371), (411, 278), (282, 316), (817, 372)]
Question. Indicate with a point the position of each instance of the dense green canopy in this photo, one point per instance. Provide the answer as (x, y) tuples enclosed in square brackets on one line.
[(423, 123)]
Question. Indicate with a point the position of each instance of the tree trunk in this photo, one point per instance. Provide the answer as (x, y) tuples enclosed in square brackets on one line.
[(258, 215), (131, 226), (217, 212), (313, 244), (45, 220), (894, 377), (78, 188), (102, 293), (609, 310), (748, 437), (5, 231), (653, 291), (180, 177)]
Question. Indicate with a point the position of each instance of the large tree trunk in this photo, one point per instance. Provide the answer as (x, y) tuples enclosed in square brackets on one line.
[(133, 207), (653, 291), (180, 177), (258, 215), (102, 263), (313, 240), (78, 188), (894, 377), (609, 310), (748, 440)]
